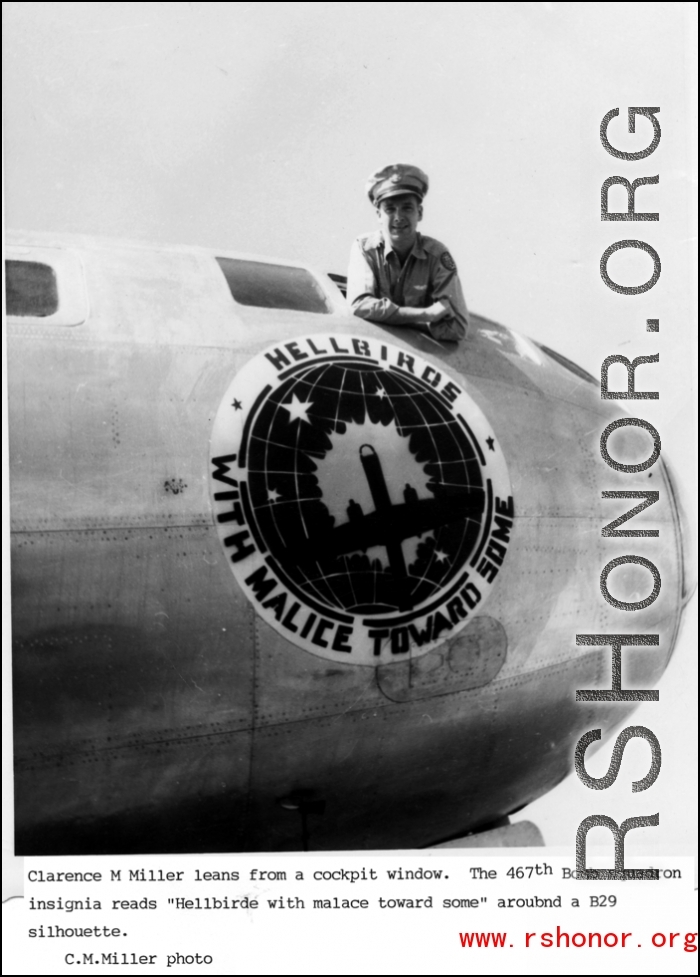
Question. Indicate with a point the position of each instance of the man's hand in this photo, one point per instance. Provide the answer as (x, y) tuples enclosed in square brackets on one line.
[(436, 312)]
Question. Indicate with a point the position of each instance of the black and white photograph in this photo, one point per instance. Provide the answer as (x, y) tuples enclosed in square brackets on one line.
[(350, 481)]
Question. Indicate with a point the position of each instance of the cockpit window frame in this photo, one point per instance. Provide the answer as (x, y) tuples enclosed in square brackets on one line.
[(73, 307), (567, 364), (326, 290)]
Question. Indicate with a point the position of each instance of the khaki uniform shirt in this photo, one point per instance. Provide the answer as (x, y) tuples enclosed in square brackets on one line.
[(378, 284)]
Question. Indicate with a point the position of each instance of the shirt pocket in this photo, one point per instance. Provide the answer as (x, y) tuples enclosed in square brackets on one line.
[(416, 295)]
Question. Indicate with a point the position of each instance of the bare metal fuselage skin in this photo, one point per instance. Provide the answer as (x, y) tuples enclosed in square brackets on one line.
[(154, 710)]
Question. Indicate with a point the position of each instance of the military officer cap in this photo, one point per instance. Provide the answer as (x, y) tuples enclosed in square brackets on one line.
[(395, 179)]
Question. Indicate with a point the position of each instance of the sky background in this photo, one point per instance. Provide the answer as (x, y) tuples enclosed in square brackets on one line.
[(253, 127)]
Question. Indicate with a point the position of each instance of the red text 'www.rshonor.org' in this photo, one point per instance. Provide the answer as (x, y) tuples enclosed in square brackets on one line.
[(562, 939)]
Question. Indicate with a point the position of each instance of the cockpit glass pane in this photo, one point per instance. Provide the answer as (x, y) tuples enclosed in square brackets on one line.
[(568, 364), (30, 289), (273, 286)]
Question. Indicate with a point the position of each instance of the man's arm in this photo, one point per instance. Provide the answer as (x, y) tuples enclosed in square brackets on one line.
[(366, 302), (445, 287)]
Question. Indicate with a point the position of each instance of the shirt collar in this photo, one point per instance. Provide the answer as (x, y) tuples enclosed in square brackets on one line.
[(418, 251)]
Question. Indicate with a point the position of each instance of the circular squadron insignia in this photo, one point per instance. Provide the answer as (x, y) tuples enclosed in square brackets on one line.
[(448, 261), (360, 495)]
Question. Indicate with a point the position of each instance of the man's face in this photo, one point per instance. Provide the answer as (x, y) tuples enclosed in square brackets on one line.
[(398, 220)]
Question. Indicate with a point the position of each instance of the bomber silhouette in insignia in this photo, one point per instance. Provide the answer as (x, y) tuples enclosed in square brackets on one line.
[(368, 522)]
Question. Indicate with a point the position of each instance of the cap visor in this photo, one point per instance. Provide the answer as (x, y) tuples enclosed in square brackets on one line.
[(400, 192)]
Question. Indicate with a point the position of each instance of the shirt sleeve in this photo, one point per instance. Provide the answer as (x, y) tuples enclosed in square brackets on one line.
[(450, 328), (363, 293), (446, 288), (363, 289)]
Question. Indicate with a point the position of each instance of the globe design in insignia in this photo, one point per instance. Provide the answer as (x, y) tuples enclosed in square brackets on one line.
[(365, 488)]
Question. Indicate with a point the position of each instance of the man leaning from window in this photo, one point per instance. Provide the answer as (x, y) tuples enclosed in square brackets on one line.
[(397, 276)]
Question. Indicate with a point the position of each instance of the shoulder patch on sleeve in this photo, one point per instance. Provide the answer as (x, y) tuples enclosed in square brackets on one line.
[(447, 261)]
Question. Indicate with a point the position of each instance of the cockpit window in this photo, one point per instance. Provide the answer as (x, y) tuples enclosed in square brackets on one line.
[(273, 286), (30, 288)]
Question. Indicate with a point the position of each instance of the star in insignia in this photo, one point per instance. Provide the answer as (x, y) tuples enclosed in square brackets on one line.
[(273, 495), (381, 393), (440, 556), (298, 409), (237, 405), (490, 442)]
